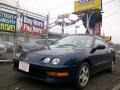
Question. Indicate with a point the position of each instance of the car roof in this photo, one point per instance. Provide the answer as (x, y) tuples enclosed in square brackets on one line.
[(98, 37)]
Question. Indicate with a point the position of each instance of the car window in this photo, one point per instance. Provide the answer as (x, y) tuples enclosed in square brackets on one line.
[(100, 42)]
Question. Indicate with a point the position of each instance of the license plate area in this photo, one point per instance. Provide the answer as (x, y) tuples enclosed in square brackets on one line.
[(24, 66)]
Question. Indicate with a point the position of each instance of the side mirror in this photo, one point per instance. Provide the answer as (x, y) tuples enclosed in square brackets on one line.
[(98, 47)]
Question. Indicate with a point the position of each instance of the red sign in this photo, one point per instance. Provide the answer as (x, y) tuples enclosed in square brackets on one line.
[(32, 26)]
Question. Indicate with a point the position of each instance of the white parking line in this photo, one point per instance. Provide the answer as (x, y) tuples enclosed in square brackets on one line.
[(117, 87)]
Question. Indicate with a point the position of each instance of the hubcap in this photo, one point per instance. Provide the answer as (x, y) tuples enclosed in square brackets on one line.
[(84, 76)]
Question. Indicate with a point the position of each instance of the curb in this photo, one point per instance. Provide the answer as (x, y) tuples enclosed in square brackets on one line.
[(5, 61)]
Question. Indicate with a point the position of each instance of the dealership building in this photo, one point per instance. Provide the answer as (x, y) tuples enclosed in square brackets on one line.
[(22, 24)]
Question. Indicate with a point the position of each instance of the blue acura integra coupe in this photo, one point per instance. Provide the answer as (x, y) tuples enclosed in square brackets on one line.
[(71, 59)]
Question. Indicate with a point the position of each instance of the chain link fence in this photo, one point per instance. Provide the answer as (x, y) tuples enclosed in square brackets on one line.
[(12, 19)]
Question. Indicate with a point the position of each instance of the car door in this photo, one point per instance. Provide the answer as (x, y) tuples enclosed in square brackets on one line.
[(100, 56), (109, 56)]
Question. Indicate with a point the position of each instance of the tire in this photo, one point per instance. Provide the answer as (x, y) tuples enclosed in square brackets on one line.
[(83, 75), (111, 69)]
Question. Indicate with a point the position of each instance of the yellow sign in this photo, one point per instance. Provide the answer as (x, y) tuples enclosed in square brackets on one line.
[(83, 5), (7, 27), (7, 22), (107, 38)]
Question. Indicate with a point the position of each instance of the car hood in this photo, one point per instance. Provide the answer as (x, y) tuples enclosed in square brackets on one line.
[(60, 51), (64, 53), (33, 49)]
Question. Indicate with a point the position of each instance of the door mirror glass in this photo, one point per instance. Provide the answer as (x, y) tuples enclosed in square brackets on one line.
[(100, 47)]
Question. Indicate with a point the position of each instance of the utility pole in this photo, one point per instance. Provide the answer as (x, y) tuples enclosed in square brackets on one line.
[(47, 28), (63, 23), (87, 23), (17, 29)]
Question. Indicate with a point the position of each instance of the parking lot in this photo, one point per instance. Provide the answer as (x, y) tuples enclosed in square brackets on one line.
[(11, 80)]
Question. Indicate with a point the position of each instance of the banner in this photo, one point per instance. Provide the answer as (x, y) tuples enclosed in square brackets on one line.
[(7, 22), (32, 26), (83, 5), (97, 29)]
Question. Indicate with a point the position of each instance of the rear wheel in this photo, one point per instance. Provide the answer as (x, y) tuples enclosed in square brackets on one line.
[(83, 75)]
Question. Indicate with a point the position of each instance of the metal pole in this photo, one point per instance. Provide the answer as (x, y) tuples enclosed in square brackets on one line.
[(87, 25), (16, 32), (62, 28), (14, 44), (47, 28)]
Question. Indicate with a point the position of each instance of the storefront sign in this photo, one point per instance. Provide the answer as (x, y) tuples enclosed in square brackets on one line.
[(32, 26), (7, 22), (83, 5)]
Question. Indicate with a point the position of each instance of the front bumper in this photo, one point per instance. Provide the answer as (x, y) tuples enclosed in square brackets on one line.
[(40, 72)]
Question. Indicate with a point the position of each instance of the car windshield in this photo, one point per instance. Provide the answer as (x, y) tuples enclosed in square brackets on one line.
[(45, 42), (76, 41)]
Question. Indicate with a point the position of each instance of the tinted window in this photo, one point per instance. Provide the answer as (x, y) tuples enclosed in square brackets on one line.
[(76, 40)]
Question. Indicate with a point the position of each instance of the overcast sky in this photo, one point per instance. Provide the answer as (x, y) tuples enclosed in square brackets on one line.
[(111, 15)]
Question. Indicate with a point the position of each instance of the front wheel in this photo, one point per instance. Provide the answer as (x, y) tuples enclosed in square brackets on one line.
[(111, 69), (83, 75)]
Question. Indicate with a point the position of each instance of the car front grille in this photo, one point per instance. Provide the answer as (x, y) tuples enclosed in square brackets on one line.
[(35, 70)]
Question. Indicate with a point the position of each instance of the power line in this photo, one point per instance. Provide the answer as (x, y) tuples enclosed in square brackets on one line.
[(114, 13), (92, 7), (109, 2), (52, 10), (73, 1)]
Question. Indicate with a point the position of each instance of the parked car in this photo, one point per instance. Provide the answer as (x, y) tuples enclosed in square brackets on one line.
[(71, 59)]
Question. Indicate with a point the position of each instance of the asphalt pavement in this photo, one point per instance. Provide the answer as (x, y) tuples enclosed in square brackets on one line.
[(11, 80)]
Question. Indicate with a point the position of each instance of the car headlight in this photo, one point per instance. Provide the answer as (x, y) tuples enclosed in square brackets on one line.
[(55, 61), (46, 60), (18, 55)]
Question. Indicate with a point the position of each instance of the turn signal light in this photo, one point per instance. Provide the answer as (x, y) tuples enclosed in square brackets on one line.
[(58, 74)]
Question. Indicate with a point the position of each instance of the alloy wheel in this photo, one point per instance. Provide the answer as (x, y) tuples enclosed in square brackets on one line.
[(84, 75)]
